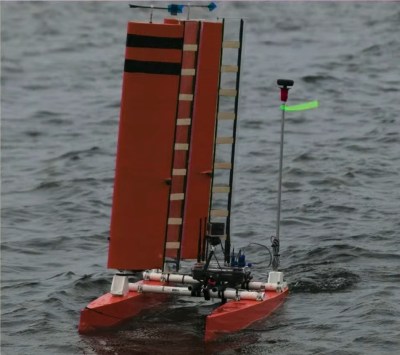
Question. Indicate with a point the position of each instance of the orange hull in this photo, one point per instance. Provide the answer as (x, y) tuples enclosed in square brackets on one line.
[(237, 315), (109, 311)]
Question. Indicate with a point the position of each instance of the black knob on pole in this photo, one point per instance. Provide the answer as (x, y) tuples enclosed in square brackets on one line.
[(285, 86), (285, 82)]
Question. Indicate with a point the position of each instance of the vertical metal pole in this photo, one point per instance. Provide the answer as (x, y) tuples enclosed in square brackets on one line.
[(285, 86), (278, 216), (228, 222)]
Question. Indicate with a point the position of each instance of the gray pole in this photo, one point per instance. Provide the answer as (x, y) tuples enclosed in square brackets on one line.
[(278, 214), (285, 86)]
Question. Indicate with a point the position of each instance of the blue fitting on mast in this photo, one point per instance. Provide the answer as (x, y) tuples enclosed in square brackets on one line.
[(212, 6), (175, 9)]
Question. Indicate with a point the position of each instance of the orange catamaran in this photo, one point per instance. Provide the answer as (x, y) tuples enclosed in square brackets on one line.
[(173, 193)]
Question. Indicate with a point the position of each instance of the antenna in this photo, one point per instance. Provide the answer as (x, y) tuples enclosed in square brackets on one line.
[(173, 9), (285, 85)]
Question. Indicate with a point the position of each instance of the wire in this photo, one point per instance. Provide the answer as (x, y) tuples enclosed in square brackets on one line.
[(264, 246)]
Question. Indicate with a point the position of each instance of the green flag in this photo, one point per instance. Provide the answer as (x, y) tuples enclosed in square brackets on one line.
[(301, 107)]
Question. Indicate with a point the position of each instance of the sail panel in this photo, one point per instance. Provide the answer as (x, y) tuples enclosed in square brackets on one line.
[(182, 134), (202, 137), (145, 146)]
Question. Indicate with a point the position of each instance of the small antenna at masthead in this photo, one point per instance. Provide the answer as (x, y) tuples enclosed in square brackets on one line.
[(173, 9)]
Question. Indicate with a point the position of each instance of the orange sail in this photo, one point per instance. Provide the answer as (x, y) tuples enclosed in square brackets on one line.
[(166, 142), (203, 136), (145, 145)]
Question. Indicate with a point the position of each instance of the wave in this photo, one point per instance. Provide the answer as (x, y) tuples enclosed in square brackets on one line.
[(328, 281)]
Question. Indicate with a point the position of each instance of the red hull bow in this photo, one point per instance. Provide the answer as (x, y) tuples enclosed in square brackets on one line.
[(109, 311), (236, 315)]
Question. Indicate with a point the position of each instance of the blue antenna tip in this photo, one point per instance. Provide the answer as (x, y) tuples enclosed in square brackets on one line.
[(212, 6), (175, 9)]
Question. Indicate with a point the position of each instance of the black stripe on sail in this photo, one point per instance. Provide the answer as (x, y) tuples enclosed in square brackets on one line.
[(138, 66), (153, 42)]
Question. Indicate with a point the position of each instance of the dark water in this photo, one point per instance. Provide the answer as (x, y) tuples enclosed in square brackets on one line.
[(61, 77)]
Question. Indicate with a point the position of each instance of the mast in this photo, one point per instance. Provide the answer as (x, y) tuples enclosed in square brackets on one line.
[(236, 109), (285, 86)]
